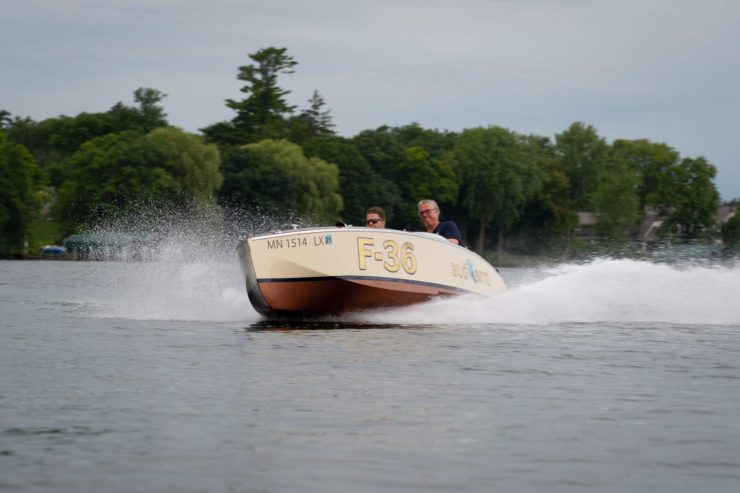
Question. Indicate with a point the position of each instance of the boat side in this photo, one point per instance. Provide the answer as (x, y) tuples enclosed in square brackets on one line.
[(329, 270)]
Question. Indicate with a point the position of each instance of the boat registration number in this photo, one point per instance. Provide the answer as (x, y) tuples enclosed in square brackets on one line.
[(391, 254)]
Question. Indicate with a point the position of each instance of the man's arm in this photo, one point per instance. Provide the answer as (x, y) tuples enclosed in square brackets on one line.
[(449, 230)]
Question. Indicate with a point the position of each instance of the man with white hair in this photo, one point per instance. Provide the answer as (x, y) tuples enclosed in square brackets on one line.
[(429, 215)]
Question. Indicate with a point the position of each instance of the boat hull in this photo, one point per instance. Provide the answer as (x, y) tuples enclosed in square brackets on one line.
[(312, 272)]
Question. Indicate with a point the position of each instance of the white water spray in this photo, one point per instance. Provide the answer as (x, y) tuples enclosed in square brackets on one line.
[(604, 290), (616, 291), (192, 273), (189, 272)]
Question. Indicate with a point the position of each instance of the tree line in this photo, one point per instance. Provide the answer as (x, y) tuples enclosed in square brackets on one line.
[(503, 188)]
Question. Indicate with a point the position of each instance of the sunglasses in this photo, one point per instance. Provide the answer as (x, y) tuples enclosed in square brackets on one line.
[(372, 221), (425, 212)]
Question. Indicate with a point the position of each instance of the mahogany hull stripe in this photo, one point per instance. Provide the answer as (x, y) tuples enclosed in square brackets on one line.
[(365, 278)]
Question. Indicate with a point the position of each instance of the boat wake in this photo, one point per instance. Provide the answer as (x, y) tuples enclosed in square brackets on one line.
[(603, 290), (193, 274)]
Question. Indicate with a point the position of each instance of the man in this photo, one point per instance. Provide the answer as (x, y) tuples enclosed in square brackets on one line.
[(429, 215), (375, 217)]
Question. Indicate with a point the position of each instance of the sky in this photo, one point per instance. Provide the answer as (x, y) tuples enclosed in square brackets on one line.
[(663, 70)]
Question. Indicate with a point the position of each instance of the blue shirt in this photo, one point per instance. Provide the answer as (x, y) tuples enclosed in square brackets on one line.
[(448, 229)]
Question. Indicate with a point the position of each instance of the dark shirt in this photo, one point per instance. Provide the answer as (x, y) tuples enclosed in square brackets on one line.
[(448, 229)]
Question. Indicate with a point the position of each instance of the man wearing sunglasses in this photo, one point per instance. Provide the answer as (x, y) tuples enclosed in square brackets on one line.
[(429, 215), (375, 217)]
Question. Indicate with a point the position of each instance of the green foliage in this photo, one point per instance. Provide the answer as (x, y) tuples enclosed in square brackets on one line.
[(313, 122), (53, 141), (382, 150), (434, 142), (551, 215), (360, 185), (583, 155), (150, 115), (499, 174), (616, 202), (681, 189), (252, 182), (399, 155), (731, 231), (275, 175), (195, 164), (420, 176), (5, 119), (651, 161), (20, 178), (103, 164), (224, 134), (43, 232), (113, 174), (261, 114), (384, 153), (689, 199)]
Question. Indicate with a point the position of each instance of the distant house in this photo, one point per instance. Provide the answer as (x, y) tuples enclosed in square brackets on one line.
[(586, 223), (651, 223), (725, 213)]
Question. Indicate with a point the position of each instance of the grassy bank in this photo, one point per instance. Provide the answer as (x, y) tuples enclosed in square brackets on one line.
[(43, 233)]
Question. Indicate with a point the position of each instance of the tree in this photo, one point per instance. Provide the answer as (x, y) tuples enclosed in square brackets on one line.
[(360, 185), (434, 142), (499, 174), (419, 177), (583, 156), (262, 113), (113, 174), (313, 122), (689, 199), (276, 176), (20, 179), (151, 115), (382, 150), (652, 161), (386, 154), (53, 141), (417, 161), (550, 215), (251, 181), (681, 190), (5, 119), (615, 200), (193, 163)]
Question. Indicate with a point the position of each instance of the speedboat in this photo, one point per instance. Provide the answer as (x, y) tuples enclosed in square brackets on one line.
[(312, 272)]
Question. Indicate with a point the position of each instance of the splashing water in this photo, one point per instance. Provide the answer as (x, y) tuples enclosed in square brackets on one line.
[(212, 288), (192, 273), (188, 270), (604, 290)]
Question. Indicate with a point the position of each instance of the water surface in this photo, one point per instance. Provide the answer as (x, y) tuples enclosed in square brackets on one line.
[(613, 375)]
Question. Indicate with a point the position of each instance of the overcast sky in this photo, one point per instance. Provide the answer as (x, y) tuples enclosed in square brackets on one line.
[(663, 70)]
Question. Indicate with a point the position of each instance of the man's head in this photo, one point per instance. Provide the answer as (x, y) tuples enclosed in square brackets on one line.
[(429, 213), (375, 217)]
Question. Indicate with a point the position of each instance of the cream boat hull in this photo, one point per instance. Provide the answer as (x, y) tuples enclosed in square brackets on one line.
[(311, 272)]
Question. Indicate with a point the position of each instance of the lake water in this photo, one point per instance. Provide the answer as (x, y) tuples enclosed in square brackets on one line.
[(612, 375)]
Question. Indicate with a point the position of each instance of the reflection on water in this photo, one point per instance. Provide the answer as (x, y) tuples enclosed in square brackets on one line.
[(276, 325)]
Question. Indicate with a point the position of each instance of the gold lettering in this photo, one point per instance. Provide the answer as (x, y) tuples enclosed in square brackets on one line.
[(394, 261), (364, 250), (408, 258)]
